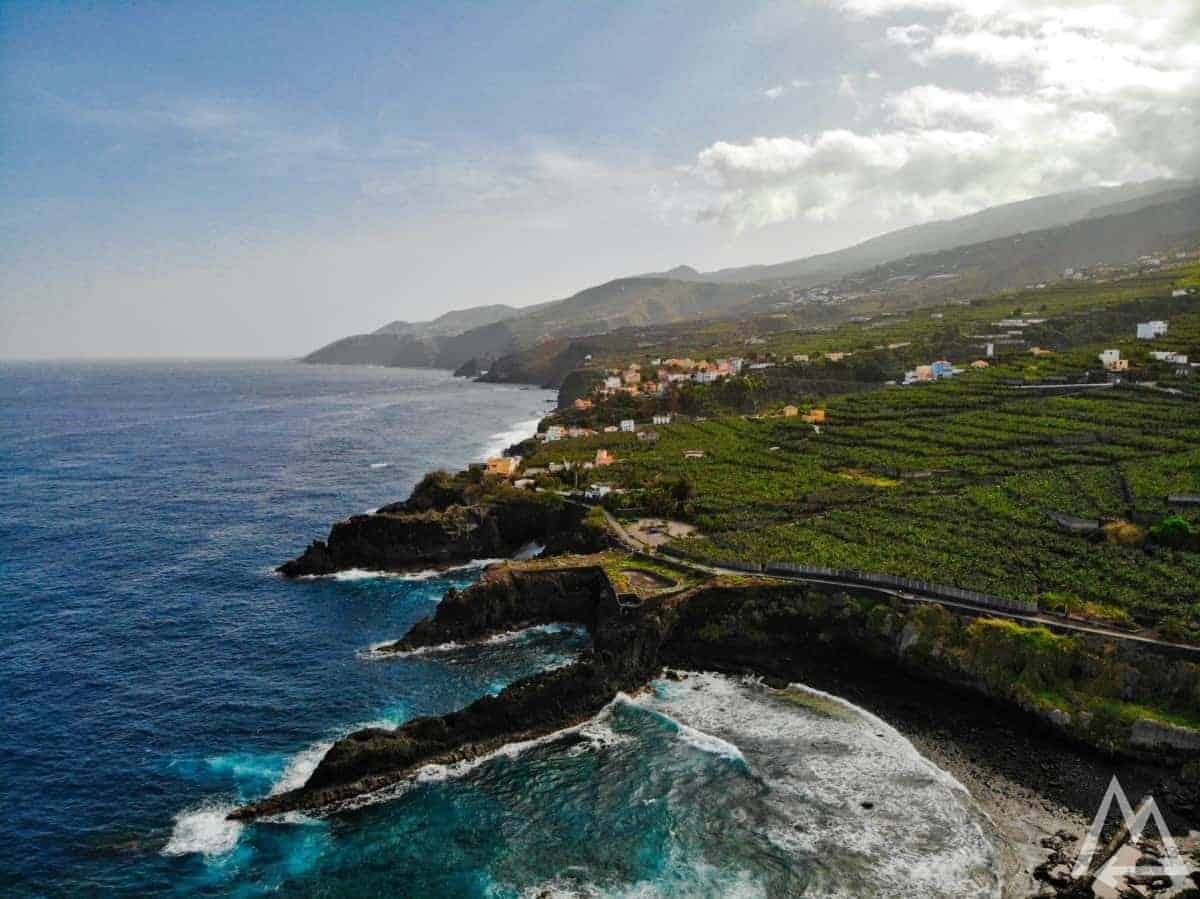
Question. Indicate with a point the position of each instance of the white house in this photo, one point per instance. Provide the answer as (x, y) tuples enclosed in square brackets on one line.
[(706, 377), (598, 491), (628, 426), (1109, 358), (1150, 330), (553, 433), (662, 418), (1179, 292), (612, 382)]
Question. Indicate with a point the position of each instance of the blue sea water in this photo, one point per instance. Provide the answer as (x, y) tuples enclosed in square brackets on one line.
[(154, 672)]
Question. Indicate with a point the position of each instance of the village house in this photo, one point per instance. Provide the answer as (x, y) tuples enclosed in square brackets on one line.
[(612, 382), (524, 483), (662, 418), (611, 429), (693, 454), (943, 369), (597, 492), (530, 472), (631, 375), (1150, 330), (706, 377), (735, 364), (1038, 351), (583, 405), (816, 416), (1179, 292), (505, 466), (1110, 358), (800, 357), (979, 363), (604, 457), (835, 356), (554, 432), (648, 436), (789, 411), (628, 426)]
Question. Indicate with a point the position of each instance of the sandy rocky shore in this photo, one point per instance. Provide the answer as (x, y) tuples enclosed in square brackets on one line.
[(1039, 790)]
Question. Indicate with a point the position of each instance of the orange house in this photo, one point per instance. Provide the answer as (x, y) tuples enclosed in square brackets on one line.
[(816, 416), (505, 466)]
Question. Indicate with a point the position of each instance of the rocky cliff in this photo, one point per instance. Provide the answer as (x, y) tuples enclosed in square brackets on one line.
[(407, 535), (1118, 697), (624, 656)]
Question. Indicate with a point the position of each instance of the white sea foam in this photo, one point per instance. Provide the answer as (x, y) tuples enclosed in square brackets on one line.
[(923, 835), (425, 574), (300, 767), (378, 465), (206, 830), (502, 440), (376, 650)]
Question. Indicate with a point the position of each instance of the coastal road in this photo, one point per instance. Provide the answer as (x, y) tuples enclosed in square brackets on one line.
[(1058, 624)]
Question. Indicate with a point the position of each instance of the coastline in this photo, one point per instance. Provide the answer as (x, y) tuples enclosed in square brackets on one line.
[(1034, 785)]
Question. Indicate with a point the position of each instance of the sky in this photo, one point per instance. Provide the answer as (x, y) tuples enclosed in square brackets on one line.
[(257, 179)]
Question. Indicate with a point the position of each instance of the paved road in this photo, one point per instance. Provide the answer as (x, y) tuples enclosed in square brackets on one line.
[(1049, 621)]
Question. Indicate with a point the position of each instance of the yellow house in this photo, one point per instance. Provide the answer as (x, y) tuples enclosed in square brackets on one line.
[(816, 416), (789, 412), (505, 466)]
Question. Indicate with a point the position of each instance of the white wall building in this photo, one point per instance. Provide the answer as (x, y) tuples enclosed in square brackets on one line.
[(628, 426)]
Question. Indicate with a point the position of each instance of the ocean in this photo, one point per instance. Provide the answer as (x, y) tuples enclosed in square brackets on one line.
[(156, 672)]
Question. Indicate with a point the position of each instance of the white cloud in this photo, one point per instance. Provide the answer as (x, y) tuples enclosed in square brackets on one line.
[(774, 93), (1076, 93)]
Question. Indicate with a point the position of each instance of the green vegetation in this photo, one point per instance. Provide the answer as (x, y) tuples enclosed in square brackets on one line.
[(955, 482)]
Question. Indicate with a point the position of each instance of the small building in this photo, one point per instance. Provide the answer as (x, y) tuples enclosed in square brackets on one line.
[(979, 363), (789, 411), (942, 369), (612, 382), (835, 356), (1150, 330), (597, 492), (648, 436), (1179, 292), (524, 483), (554, 433), (631, 375), (628, 426), (1109, 359), (693, 454), (662, 418), (990, 351), (583, 405), (800, 357), (707, 377), (611, 429), (924, 372), (604, 457), (816, 416), (505, 466), (1038, 351)]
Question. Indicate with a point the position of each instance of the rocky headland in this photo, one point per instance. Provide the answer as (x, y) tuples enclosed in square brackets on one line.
[(1034, 722)]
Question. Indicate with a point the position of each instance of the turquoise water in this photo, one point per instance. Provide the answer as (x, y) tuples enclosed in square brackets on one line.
[(155, 673)]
